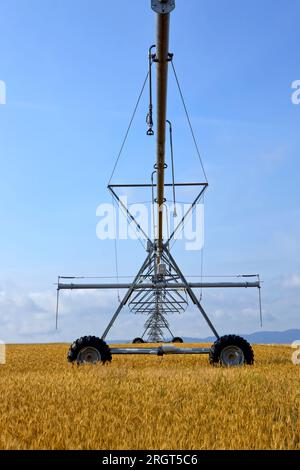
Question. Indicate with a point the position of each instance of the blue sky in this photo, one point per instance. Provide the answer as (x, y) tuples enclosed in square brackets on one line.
[(73, 70)]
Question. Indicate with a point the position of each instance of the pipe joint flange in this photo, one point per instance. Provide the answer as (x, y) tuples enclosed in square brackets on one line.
[(164, 167), (164, 200), (163, 7)]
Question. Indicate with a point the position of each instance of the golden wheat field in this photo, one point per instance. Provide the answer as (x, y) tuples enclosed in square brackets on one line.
[(148, 402)]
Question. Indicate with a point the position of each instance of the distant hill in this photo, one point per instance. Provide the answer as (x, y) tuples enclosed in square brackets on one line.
[(259, 337)]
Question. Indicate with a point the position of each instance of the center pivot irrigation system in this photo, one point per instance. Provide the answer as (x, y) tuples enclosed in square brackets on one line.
[(160, 287)]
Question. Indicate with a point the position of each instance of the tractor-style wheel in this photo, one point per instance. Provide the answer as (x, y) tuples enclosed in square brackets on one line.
[(177, 339), (231, 351), (138, 341), (89, 350)]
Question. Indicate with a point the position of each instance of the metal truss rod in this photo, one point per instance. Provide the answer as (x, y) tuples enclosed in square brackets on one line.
[(120, 202), (162, 285), (193, 297), (181, 223), (148, 185), (125, 299)]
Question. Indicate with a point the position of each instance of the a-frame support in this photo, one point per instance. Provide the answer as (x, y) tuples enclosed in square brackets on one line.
[(160, 293)]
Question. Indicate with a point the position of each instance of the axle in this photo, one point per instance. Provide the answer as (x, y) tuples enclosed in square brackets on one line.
[(160, 351)]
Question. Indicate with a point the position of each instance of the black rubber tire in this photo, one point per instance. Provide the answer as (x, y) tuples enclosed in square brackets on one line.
[(177, 339), (89, 341), (138, 341), (231, 340)]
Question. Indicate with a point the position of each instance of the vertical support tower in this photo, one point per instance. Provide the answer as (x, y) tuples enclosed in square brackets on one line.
[(163, 9)]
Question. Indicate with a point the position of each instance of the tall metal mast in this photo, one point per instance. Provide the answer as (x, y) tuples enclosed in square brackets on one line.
[(160, 288), (163, 9)]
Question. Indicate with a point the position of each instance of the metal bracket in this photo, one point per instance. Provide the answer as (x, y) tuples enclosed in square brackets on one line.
[(163, 6)]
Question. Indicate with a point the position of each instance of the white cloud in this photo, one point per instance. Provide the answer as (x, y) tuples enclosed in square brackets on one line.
[(30, 316), (292, 281)]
